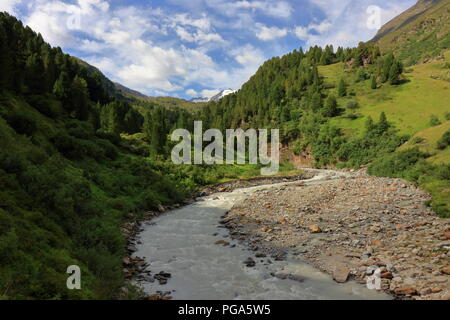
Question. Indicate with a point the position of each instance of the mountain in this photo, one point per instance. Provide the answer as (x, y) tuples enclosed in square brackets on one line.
[(418, 34), (199, 100), (129, 92), (222, 94), (215, 98)]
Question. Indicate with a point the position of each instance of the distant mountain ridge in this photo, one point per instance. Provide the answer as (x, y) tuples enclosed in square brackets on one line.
[(129, 91), (215, 98)]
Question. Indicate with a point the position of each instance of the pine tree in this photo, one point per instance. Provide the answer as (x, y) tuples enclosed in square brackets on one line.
[(386, 67), (316, 102), (373, 83), (383, 125), (79, 98), (6, 61), (370, 125), (61, 87), (394, 72), (330, 107), (342, 88)]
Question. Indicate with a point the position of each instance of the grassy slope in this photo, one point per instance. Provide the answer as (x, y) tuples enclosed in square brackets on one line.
[(171, 102), (418, 38), (408, 106)]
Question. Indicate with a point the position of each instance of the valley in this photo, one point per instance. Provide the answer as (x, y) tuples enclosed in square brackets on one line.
[(82, 158)]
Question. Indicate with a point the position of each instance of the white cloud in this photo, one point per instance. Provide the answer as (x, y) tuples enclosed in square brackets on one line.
[(9, 6), (198, 36), (183, 19), (209, 93), (279, 9), (346, 21), (248, 56), (301, 32), (192, 93), (117, 42), (270, 33)]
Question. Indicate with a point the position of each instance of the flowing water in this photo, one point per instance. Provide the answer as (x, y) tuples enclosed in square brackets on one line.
[(182, 243)]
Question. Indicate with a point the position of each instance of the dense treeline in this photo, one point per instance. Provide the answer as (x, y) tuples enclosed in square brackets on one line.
[(289, 93)]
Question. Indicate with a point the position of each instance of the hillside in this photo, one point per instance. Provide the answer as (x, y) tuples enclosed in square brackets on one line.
[(419, 34), (129, 92), (70, 176)]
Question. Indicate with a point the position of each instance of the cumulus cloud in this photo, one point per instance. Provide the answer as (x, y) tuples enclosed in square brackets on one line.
[(280, 9), (277, 9), (346, 21), (209, 93), (191, 92), (198, 36), (117, 42), (9, 6), (270, 33)]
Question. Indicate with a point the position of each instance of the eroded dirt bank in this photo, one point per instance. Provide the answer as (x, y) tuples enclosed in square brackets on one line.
[(349, 224)]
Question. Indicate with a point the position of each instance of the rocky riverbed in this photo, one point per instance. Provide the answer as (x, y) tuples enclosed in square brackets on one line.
[(349, 225), (137, 269)]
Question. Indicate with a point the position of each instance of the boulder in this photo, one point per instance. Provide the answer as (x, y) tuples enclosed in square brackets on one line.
[(315, 229), (340, 274), (222, 243), (406, 291), (446, 270)]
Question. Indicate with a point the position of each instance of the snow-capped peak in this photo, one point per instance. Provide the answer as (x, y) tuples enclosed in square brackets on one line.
[(216, 98)]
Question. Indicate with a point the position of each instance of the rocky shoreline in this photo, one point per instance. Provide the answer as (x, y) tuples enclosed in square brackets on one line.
[(350, 227)]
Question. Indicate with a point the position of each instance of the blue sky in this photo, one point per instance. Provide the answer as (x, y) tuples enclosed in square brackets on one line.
[(188, 48)]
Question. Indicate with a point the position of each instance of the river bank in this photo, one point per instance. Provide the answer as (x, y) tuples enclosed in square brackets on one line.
[(188, 253), (135, 268), (348, 225)]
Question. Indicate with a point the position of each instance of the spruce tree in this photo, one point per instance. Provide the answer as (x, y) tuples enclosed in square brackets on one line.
[(330, 107), (370, 125), (383, 125), (342, 88), (395, 72), (373, 83)]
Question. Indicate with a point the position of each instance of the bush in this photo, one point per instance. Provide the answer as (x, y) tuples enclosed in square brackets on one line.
[(352, 105), (22, 124), (396, 164), (434, 121), (444, 142)]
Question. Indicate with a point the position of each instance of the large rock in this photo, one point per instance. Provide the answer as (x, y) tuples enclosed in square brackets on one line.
[(446, 270), (447, 234), (406, 291), (250, 263), (315, 229), (340, 274), (222, 243)]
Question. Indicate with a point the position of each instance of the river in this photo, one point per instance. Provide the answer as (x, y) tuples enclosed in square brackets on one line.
[(182, 243)]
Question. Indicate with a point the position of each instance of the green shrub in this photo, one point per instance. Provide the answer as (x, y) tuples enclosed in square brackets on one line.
[(444, 142), (22, 124), (434, 121)]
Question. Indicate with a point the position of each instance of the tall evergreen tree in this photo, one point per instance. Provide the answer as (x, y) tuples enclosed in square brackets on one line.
[(373, 83), (330, 108), (79, 98), (342, 88)]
